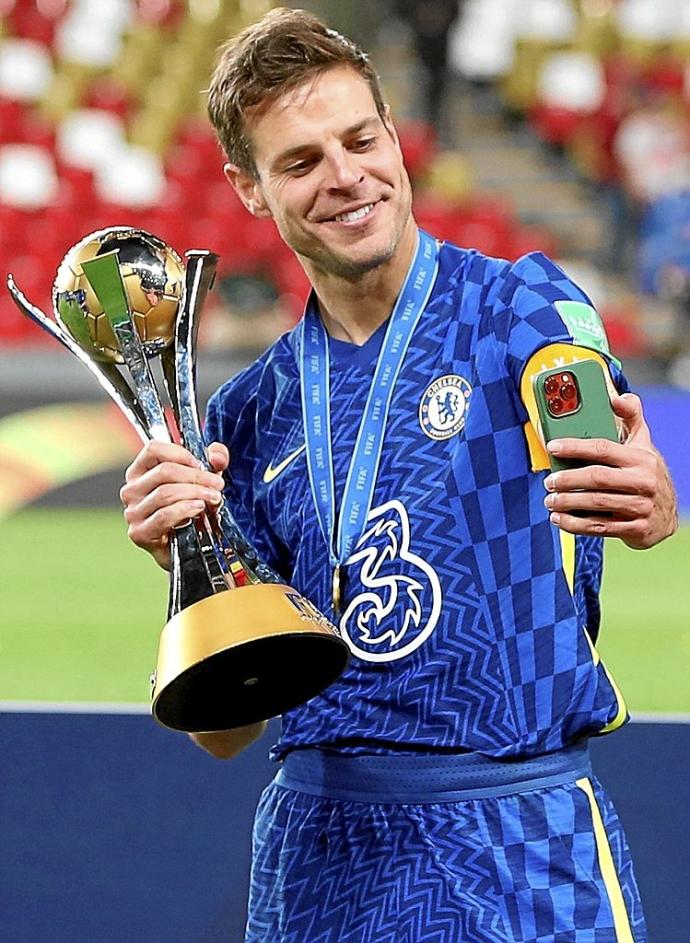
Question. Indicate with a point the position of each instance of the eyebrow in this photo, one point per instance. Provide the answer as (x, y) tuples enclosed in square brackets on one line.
[(302, 148)]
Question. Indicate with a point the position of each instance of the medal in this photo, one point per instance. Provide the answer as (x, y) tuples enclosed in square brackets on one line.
[(342, 529), (336, 587)]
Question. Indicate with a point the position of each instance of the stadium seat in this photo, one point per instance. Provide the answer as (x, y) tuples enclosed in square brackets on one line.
[(87, 137), (571, 88), (132, 178), (572, 80), (108, 94), (482, 43), (450, 177), (27, 176), (26, 69), (418, 143), (525, 239), (36, 22), (90, 33)]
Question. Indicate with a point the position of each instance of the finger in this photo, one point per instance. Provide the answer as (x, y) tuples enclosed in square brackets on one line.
[(169, 473), (628, 407), (624, 507), (634, 532), (636, 480), (154, 531), (597, 452), (169, 495), (218, 456), (154, 453)]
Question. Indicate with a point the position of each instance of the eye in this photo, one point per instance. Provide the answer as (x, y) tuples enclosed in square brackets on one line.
[(363, 144), (300, 167)]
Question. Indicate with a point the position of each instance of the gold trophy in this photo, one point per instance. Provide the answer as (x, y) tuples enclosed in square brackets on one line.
[(239, 645)]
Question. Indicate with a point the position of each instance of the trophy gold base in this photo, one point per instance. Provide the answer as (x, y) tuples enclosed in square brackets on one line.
[(242, 656)]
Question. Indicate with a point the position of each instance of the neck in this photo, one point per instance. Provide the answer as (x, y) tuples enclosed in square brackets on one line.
[(353, 310)]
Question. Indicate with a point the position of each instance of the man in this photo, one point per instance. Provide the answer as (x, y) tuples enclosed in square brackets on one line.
[(385, 462)]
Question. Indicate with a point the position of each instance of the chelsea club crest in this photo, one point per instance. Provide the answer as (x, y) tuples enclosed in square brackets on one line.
[(443, 408)]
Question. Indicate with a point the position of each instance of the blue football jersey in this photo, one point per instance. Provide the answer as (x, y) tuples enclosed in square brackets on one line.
[(471, 619)]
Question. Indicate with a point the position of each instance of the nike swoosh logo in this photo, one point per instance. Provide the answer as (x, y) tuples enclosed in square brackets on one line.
[(273, 471)]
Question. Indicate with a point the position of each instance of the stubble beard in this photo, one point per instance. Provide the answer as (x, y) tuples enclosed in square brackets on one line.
[(351, 270), (336, 264)]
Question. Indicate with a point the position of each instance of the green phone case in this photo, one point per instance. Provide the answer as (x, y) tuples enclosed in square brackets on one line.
[(592, 419)]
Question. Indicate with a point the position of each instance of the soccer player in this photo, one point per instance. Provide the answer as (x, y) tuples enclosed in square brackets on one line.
[(385, 460)]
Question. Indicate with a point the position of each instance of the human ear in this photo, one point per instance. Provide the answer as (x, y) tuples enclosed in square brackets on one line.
[(248, 190)]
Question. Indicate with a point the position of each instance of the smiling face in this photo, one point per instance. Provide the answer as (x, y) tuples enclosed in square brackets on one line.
[(330, 173)]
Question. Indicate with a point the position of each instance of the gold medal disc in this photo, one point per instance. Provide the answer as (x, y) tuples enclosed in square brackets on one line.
[(336, 590)]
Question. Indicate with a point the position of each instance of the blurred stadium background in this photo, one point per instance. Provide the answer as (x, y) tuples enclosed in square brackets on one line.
[(559, 125)]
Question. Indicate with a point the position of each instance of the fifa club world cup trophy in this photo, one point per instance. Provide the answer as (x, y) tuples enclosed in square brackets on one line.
[(239, 645)]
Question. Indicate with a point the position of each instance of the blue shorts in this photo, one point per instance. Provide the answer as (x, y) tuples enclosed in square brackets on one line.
[(449, 849)]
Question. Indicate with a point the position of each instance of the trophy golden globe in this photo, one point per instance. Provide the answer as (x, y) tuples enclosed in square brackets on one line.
[(239, 645)]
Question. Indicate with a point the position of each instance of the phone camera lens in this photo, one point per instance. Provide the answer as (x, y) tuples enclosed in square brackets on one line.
[(556, 405), (551, 385), (568, 391)]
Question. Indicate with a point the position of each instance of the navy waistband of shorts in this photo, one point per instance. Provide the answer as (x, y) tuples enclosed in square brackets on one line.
[(428, 778)]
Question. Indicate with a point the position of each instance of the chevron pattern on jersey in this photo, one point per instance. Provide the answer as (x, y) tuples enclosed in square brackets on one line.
[(515, 869)]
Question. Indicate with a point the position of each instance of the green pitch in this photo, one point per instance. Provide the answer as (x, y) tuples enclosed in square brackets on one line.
[(82, 609)]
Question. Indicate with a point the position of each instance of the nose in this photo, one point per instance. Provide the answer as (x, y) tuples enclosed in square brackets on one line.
[(344, 172)]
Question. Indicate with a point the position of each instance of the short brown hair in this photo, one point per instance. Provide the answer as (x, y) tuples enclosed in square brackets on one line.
[(268, 58)]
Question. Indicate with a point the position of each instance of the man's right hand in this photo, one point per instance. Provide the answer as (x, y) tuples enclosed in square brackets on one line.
[(164, 487)]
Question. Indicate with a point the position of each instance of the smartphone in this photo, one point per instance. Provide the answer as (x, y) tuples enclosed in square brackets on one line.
[(573, 401)]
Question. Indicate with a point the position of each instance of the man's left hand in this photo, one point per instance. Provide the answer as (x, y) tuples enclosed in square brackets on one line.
[(624, 490)]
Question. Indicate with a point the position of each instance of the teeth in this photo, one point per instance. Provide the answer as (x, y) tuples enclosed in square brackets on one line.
[(355, 214)]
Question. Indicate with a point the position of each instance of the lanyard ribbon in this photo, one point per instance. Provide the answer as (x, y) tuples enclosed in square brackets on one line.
[(315, 385)]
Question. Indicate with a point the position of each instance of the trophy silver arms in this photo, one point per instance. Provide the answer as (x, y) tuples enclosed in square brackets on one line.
[(105, 373), (199, 563), (200, 275)]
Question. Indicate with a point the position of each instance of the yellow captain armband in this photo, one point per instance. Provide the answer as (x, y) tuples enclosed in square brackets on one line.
[(553, 355)]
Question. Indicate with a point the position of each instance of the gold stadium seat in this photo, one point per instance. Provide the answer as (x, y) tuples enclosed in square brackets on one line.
[(154, 127), (519, 86), (64, 95)]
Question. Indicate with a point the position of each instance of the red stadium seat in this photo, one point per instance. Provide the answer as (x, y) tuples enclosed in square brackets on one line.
[(530, 239), (555, 125), (435, 215), (11, 119), (16, 328), (32, 22), (110, 95), (419, 144)]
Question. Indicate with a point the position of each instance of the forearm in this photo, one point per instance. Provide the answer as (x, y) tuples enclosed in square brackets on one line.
[(226, 744)]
